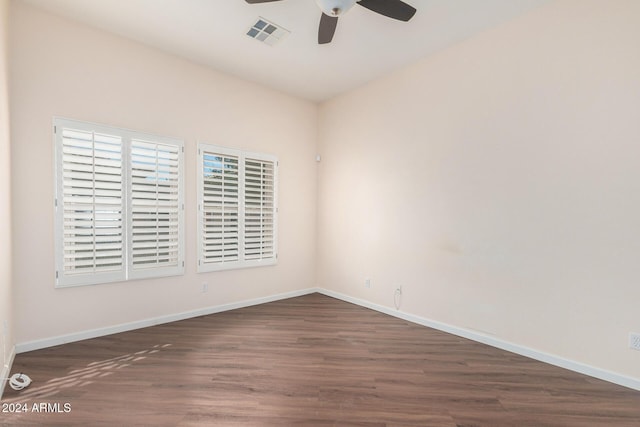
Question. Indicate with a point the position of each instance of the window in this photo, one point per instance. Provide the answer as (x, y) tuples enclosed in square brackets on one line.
[(237, 209), (119, 204)]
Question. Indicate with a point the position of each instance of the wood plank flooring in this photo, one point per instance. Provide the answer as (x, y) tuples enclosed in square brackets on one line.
[(313, 361)]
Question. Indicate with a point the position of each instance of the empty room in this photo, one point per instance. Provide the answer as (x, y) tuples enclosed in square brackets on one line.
[(320, 212)]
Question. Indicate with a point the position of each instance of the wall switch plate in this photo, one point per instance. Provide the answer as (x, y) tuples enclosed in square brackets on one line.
[(205, 288), (367, 283)]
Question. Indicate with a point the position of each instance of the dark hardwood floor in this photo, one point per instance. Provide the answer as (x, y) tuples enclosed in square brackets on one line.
[(313, 361)]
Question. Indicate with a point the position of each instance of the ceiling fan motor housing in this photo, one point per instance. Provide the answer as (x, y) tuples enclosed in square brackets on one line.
[(335, 7)]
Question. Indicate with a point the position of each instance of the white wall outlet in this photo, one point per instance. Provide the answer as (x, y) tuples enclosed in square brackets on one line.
[(634, 341), (367, 283), (205, 287), (397, 297)]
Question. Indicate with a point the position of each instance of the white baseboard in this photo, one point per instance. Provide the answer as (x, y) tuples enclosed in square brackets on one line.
[(6, 371), (124, 327), (551, 359)]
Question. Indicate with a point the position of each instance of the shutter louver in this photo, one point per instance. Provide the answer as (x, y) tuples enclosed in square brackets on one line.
[(92, 203), (258, 209), (220, 209), (155, 205)]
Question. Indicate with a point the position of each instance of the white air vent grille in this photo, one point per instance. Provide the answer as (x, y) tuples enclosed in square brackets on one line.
[(267, 32)]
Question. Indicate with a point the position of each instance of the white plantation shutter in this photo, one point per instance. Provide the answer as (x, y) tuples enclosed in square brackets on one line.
[(259, 209), (98, 193), (91, 206), (220, 209), (155, 208), (236, 209)]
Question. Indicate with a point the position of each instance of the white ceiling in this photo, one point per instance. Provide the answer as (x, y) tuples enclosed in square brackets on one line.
[(366, 45)]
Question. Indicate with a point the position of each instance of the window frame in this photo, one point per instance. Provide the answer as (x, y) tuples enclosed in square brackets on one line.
[(127, 271), (242, 156)]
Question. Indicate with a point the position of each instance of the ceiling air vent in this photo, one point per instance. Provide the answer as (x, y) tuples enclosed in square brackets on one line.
[(267, 32)]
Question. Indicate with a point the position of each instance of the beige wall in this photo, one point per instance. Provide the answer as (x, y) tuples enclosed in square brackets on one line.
[(6, 342), (64, 69), (498, 183)]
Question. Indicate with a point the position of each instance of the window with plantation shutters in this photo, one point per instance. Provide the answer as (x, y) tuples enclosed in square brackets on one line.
[(118, 207), (237, 209)]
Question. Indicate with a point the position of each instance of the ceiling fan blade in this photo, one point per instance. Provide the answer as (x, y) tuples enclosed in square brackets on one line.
[(395, 9), (259, 1), (327, 28)]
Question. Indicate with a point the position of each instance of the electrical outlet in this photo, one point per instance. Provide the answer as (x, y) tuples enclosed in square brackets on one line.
[(397, 297), (634, 341), (367, 283), (205, 287)]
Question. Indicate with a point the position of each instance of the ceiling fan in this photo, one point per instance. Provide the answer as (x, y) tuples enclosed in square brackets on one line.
[(332, 9)]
